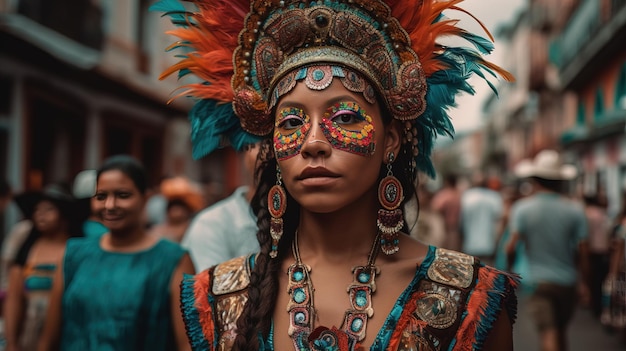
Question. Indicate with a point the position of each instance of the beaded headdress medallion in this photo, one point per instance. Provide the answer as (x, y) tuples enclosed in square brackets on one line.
[(248, 54)]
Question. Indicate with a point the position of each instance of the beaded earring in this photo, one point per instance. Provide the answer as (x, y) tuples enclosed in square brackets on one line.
[(277, 204), (390, 219)]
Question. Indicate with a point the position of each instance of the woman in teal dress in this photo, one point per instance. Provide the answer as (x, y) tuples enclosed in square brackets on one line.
[(118, 291), (346, 96)]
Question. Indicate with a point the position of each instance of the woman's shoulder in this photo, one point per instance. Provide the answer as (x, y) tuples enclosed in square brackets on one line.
[(219, 290), (224, 278), (471, 297)]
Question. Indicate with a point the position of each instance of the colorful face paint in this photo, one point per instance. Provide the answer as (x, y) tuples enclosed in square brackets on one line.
[(292, 127), (349, 128)]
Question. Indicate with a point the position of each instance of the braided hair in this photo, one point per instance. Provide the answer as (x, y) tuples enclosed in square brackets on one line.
[(255, 320)]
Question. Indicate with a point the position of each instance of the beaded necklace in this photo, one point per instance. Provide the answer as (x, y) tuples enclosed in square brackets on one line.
[(302, 313)]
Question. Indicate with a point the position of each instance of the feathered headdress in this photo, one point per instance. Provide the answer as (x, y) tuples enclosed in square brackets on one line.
[(243, 51)]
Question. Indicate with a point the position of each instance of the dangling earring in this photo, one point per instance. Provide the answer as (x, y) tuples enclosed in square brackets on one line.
[(277, 204), (390, 219)]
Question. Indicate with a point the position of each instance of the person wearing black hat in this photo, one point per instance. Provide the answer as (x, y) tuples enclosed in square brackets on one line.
[(53, 213)]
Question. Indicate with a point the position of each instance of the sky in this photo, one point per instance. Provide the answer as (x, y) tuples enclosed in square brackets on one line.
[(493, 14)]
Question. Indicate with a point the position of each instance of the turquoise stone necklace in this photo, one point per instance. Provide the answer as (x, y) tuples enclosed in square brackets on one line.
[(301, 307)]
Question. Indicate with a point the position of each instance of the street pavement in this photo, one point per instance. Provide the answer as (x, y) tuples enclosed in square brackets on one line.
[(585, 333)]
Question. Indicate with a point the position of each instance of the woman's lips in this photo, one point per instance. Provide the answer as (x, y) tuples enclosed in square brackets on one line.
[(317, 176)]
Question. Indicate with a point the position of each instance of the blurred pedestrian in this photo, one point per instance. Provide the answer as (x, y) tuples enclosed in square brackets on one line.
[(516, 262), (554, 230), (227, 229), (6, 196), (599, 249), (447, 202), (614, 286), (481, 215), (119, 291), (430, 225), (156, 205), (184, 200), (56, 218), (83, 189)]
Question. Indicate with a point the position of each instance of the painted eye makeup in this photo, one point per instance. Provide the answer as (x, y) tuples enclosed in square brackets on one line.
[(346, 118), (292, 126), (349, 128), (289, 119)]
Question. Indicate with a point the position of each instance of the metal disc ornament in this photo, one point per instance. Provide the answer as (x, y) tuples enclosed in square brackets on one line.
[(277, 201), (390, 193)]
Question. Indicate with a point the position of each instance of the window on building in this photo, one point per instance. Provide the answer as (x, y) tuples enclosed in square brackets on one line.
[(598, 108), (79, 20), (620, 91), (55, 138)]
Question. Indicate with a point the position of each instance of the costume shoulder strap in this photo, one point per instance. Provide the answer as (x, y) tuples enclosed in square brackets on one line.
[(212, 301), (493, 292), (231, 276), (454, 304)]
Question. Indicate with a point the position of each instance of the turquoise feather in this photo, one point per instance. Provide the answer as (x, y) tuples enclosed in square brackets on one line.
[(215, 125)]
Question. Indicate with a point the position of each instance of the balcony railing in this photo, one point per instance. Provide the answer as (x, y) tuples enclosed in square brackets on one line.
[(580, 29)]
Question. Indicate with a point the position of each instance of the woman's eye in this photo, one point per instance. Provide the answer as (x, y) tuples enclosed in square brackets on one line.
[(123, 195), (291, 123), (100, 197), (346, 117)]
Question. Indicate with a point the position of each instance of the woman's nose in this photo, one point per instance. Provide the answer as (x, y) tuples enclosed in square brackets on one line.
[(109, 202), (316, 144)]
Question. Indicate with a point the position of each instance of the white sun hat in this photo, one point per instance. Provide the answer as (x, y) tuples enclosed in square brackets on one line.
[(85, 184), (547, 164)]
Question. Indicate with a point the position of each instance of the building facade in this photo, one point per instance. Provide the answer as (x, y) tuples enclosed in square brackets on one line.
[(79, 81)]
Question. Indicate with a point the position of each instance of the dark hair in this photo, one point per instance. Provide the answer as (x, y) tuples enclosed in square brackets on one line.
[(128, 165), (178, 202), (263, 287), (554, 185)]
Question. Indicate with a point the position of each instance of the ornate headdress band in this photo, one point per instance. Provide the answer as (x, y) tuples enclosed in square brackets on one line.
[(257, 45), (280, 36)]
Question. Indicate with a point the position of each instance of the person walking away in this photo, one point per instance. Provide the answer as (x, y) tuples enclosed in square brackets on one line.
[(554, 230), (447, 202), (481, 214), (429, 228), (599, 250)]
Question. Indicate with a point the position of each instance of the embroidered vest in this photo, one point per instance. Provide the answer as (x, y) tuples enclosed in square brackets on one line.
[(452, 305)]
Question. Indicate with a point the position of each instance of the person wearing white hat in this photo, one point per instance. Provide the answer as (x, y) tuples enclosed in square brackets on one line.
[(83, 189), (554, 230)]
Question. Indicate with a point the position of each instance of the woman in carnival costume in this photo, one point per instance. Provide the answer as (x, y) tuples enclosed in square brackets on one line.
[(346, 98)]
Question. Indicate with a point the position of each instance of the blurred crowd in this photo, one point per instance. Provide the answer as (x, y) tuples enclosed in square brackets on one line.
[(109, 236), (566, 247), (102, 258)]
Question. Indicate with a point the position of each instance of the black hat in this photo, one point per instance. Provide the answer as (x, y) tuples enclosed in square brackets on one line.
[(56, 193)]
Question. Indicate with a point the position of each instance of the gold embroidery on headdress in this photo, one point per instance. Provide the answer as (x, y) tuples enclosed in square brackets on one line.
[(281, 36)]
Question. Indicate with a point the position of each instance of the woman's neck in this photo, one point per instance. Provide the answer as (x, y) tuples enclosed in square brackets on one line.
[(132, 239), (58, 235), (343, 234)]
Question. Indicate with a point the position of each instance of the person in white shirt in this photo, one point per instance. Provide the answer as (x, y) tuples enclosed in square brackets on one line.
[(481, 211), (227, 229)]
